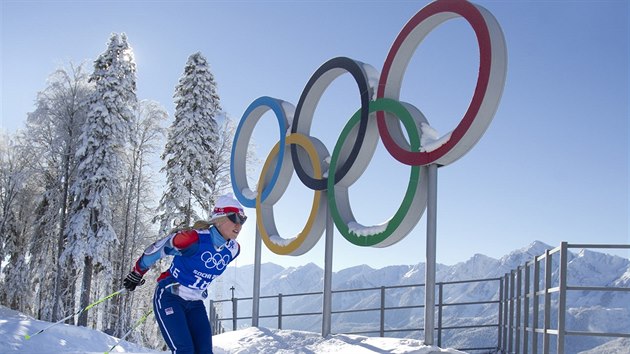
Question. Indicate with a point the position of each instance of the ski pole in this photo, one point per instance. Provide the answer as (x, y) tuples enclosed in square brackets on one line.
[(136, 324), (79, 312)]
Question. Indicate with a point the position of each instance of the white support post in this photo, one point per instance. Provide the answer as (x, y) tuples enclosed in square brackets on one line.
[(328, 254), (429, 287), (256, 290)]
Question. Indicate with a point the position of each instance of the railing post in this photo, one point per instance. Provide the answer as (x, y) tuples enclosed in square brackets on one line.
[(511, 319), (440, 301), (519, 285), (212, 317), (280, 311), (562, 297), (536, 305), (234, 312), (527, 294), (500, 325), (506, 301), (547, 308), (382, 329)]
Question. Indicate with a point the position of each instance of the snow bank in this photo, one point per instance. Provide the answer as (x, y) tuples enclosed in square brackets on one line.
[(61, 338), (65, 338), (255, 340)]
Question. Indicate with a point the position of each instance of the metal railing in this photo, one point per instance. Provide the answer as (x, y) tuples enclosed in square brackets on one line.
[(531, 305), (382, 309), (528, 295)]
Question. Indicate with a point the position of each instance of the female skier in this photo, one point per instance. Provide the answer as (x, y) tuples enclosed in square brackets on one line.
[(199, 256)]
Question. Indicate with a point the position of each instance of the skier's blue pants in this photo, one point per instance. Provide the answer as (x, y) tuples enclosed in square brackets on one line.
[(184, 324)]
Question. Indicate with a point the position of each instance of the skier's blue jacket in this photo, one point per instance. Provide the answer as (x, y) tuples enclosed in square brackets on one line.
[(199, 257)]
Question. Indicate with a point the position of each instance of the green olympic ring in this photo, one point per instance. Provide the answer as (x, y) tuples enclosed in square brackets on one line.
[(415, 198)]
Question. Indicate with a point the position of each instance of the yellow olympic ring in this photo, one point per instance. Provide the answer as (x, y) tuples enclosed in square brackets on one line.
[(314, 228)]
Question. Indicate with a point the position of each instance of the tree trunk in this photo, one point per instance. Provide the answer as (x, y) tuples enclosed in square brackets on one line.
[(68, 293), (118, 320), (61, 281), (86, 288), (129, 299)]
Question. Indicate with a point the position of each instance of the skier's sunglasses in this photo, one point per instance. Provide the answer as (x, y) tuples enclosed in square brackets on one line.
[(237, 218)]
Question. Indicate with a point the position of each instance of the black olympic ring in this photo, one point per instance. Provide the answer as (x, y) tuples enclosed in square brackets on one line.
[(313, 91)]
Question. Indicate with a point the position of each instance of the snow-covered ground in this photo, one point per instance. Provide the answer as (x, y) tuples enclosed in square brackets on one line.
[(64, 338)]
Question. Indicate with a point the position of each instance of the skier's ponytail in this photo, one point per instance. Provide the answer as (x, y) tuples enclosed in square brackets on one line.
[(198, 225)]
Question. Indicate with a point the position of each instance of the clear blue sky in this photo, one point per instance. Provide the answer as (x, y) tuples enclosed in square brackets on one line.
[(552, 166)]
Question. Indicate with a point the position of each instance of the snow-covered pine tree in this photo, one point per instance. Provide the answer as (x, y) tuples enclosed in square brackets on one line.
[(15, 208), (90, 231), (52, 133), (191, 149)]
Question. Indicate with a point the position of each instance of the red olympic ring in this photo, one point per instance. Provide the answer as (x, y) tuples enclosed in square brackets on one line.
[(490, 82)]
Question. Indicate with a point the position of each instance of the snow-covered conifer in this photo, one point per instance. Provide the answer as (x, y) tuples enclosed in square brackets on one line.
[(191, 148), (14, 208), (111, 108), (52, 133)]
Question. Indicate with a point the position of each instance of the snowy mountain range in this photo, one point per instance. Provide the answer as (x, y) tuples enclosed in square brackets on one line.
[(586, 310)]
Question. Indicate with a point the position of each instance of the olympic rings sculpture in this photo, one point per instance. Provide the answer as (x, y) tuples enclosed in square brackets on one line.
[(357, 142)]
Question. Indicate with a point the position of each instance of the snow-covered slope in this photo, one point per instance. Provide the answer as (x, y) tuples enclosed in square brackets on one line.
[(61, 338), (66, 339)]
